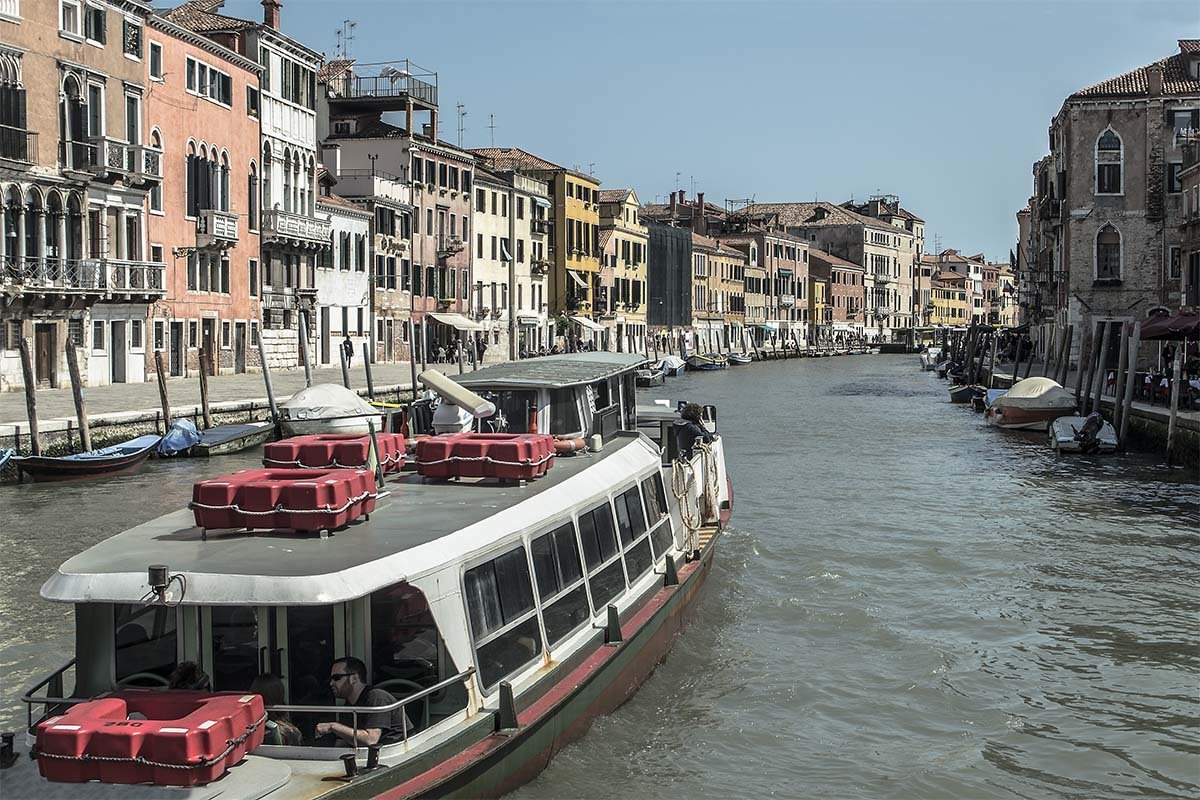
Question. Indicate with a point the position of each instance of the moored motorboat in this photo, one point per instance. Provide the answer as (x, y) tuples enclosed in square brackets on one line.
[(326, 408), (650, 377), (930, 358), (966, 392), (1075, 434), (706, 361), (113, 460), (1031, 404), (671, 366), (221, 440), (505, 592), (740, 358)]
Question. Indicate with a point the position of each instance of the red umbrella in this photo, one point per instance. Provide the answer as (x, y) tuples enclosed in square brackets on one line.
[(1181, 326)]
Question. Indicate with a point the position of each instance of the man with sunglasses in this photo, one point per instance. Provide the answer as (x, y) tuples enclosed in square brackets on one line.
[(348, 680)]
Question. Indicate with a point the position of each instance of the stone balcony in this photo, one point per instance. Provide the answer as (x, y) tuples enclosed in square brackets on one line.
[(297, 230), (100, 277), (216, 229)]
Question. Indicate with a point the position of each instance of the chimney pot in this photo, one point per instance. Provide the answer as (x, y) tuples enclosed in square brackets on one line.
[(682, 197), (1154, 80), (271, 9)]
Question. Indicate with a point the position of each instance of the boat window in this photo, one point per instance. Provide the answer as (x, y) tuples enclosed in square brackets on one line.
[(560, 582), (656, 507), (499, 597), (407, 652), (607, 584), (512, 411), (564, 413), (597, 534), (629, 398), (556, 561), (310, 654), (631, 522), (146, 642), (235, 654), (638, 559)]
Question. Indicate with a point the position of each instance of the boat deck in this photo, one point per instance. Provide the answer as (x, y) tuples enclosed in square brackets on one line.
[(414, 513)]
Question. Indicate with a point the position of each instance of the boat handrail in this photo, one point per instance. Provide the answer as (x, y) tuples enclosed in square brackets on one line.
[(354, 711), (55, 678)]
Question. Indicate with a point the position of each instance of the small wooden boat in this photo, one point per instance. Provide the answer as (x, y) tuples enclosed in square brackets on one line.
[(1031, 404), (740, 358), (966, 392), (706, 362), (118, 458), (671, 366), (224, 439), (649, 377), (1075, 434)]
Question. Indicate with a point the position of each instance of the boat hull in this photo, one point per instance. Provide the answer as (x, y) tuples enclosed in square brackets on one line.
[(1029, 419), (740, 359), (251, 438), (1062, 436), (41, 468), (604, 680), (964, 393), (305, 427)]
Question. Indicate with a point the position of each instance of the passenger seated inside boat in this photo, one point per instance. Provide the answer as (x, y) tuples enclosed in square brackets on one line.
[(279, 727), (690, 429), (348, 680)]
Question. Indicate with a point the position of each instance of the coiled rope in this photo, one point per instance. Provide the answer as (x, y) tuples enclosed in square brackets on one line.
[(279, 509)]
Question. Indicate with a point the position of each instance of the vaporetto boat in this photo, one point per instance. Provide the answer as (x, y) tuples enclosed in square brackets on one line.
[(503, 613)]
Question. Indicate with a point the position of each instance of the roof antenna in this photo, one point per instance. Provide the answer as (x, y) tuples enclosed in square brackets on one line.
[(492, 127), (462, 114)]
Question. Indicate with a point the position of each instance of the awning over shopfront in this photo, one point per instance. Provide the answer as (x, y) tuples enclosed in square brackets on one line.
[(587, 324), (457, 321), (767, 326), (579, 279), (529, 319), (541, 201)]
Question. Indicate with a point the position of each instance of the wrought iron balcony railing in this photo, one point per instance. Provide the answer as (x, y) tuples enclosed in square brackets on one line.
[(85, 275), (17, 144)]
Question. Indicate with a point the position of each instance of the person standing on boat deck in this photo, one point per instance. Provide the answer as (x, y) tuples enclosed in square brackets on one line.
[(690, 429), (348, 679)]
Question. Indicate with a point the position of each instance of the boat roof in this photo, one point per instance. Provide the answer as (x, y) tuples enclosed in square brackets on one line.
[(552, 372), (420, 527)]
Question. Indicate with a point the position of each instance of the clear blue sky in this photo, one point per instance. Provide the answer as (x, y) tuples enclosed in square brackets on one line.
[(945, 104)]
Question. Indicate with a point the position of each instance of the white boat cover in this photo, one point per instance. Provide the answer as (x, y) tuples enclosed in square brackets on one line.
[(1062, 432), (325, 400), (670, 362), (1036, 393)]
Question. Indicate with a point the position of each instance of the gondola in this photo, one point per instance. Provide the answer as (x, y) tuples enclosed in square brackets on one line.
[(118, 458)]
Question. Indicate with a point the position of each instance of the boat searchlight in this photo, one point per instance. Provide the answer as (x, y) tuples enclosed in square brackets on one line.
[(159, 577), (460, 404)]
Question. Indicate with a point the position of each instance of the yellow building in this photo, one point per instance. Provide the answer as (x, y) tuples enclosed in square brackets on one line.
[(948, 293), (575, 199), (621, 306), (729, 283), (820, 314)]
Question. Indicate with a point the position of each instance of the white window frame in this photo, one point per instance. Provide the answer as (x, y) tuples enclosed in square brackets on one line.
[(103, 348), (141, 324), (83, 25), (11, 10), (135, 22), (62, 29), (160, 324), (1096, 164), (207, 94), (226, 334), (151, 44)]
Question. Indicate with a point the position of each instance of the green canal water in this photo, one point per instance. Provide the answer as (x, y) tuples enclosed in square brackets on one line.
[(907, 604)]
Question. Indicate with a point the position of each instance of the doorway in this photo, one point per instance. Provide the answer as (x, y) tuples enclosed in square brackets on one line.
[(116, 349), (239, 347), (44, 354), (177, 345)]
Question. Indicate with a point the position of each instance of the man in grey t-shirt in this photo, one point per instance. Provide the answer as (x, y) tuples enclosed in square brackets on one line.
[(348, 679)]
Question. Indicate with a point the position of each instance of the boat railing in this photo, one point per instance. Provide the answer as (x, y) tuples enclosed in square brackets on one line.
[(355, 711), (53, 683)]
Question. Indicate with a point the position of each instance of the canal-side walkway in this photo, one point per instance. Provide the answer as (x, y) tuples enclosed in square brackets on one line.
[(132, 402)]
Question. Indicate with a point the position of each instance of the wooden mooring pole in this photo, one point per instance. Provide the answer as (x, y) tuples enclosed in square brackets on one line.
[(262, 359), (35, 443), (206, 364), (1122, 369), (85, 433), (304, 351), (1064, 355), (162, 390), (1130, 379), (345, 368), (367, 366), (1173, 419), (1085, 358), (1100, 356)]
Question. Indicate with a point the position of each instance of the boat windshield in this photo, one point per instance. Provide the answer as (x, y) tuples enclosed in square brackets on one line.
[(513, 410), (145, 644)]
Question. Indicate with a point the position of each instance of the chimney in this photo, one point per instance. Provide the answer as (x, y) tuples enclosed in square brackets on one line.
[(698, 215), (271, 10), (682, 196), (674, 205), (1154, 80)]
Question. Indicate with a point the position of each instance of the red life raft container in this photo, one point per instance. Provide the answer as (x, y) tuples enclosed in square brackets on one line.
[(511, 456), (299, 499), (334, 451), (186, 738)]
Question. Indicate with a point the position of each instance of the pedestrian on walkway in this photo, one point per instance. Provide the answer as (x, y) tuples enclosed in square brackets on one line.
[(348, 349)]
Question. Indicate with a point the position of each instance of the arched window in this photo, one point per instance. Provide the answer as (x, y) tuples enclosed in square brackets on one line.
[(224, 181), (191, 190), (1110, 156), (1108, 254), (156, 202), (252, 198), (287, 180), (33, 215), (266, 177), (72, 123), (55, 214)]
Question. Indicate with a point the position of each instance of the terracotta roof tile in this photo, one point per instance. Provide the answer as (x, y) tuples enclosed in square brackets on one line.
[(832, 260), (1189, 46), (808, 215), (614, 195), (514, 158), (1177, 81), (334, 69), (200, 16)]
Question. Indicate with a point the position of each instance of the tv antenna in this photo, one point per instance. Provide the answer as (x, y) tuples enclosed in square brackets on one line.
[(676, 180), (345, 35), (592, 168), (462, 116), (492, 127)]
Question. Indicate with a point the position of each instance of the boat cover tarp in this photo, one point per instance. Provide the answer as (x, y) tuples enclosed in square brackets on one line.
[(1037, 393), (182, 436), (1180, 326), (669, 362), (326, 401)]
